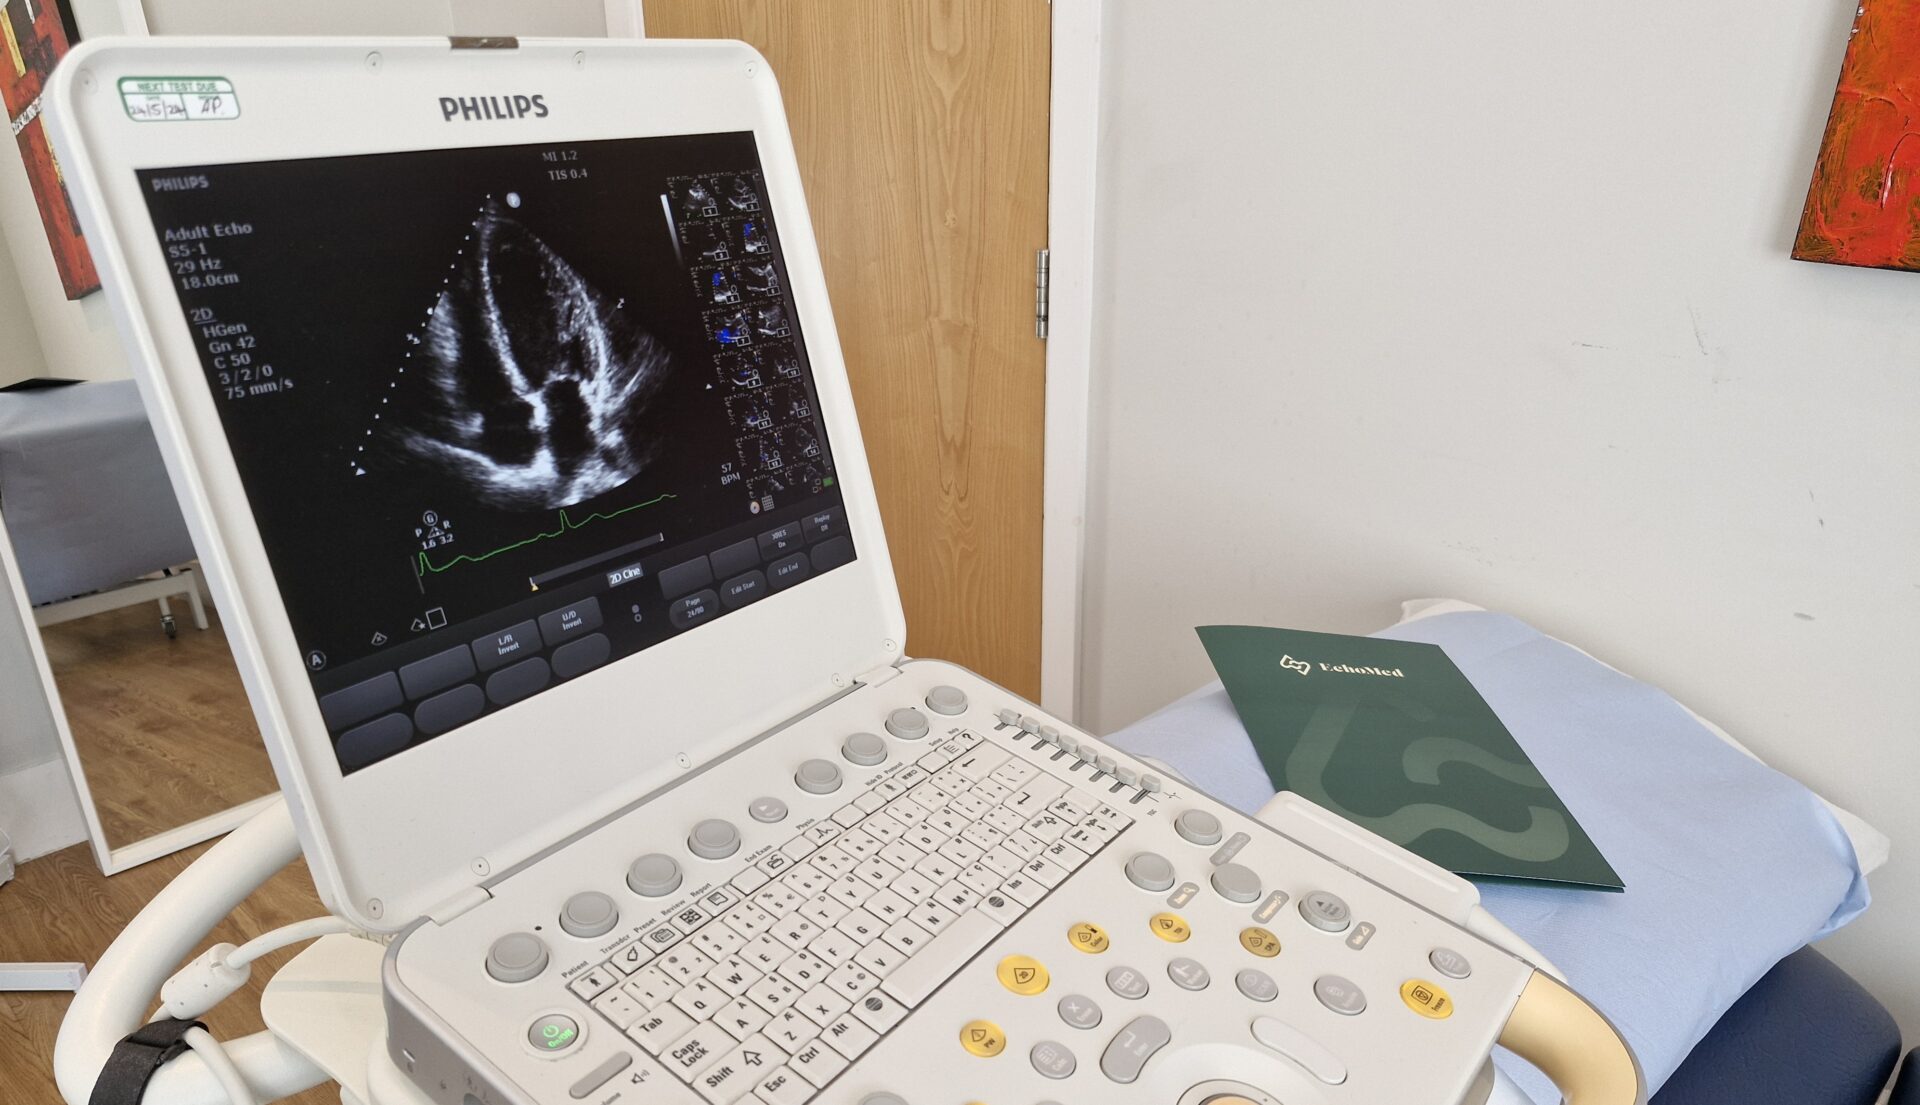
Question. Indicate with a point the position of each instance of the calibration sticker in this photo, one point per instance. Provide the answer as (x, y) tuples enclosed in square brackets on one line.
[(167, 99)]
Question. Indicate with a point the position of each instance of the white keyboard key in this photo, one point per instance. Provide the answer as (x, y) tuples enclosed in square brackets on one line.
[(701, 999), (1036, 795), (880, 1012), (1072, 806), (980, 878), (1066, 855), (850, 890), (982, 835), (980, 762), (913, 886), (630, 958), (1006, 820), (960, 852), (690, 918), (902, 854), (718, 941), (807, 880), (880, 958), (849, 816), (850, 1036), (933, 916), (823, 910), (799, 848), (1022, 889), (685, 964), (805, 970), (925, 837), (1113, 815), (619, 1007), (948, 821), (778, 900), (773, 993), (1014, 772), (739, 1070), (765, 952), (862, 926), (791, 1029), (734, 974), (652, 986), (659, 1028), (876, 872), (818, 1063), (795, 931), (823, 1004), (697, 1050), (906, 936), (783, 1087), (1083, 838), (907, 811), (833, 861), (748, 920), (887, 906), (870, 801), (750, 880), (1002, 907), (820, 832), (858, 843), (1023, 844), (1048, 826), (1002, 860), (661, 938), (834, 947), (852, 981), (990, 792), (883, 827), (774, 864), (940, 958), (741, 1018), (957, 896), (1045, 872), (970, 806)]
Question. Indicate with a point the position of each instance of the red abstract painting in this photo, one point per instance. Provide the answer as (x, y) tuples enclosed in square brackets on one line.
[(1864, 205), (36, 40)]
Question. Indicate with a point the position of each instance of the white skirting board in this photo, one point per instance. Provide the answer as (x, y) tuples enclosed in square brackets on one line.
[(39, 811)]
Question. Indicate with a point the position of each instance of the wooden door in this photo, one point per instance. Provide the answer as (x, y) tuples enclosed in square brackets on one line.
[(921, 128)]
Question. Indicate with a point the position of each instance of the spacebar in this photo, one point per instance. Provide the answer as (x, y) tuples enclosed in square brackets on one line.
[(946, 953)]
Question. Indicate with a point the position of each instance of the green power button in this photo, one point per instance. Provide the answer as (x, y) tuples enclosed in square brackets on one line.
[(554, 1032)]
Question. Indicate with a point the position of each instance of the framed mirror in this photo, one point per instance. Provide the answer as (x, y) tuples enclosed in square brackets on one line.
[(139, 686)]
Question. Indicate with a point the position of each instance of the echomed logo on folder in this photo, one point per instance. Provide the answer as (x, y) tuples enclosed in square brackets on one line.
[(1306, 666), (1393, 737)]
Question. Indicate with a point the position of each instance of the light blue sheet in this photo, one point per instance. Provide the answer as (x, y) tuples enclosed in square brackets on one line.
[(1729, 865)]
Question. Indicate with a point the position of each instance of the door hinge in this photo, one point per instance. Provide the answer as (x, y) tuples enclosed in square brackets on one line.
[(1040, 281)]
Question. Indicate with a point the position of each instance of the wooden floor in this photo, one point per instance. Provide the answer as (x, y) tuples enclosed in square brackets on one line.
[(167, 736), (60, 908), (163, 726)]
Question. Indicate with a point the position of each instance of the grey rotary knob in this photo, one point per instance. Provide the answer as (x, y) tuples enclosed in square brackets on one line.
[(865, 749), (883, 1099), (517, 957), (947, 700), (908, 724), (1150, 871), (654, 875), (713, 839), (589, 913), (817, 777), (1197, 827), (1236, 883)]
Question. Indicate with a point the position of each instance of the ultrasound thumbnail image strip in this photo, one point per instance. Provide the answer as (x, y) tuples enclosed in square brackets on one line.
[(531, 386)]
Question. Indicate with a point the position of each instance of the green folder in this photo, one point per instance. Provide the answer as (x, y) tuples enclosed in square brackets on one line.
[(1391, 736)]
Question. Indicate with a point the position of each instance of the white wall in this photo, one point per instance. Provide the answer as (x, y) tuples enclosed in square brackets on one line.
[(1494, 301)]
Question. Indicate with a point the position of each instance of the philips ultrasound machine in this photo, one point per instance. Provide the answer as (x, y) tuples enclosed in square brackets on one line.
[(501, 386)]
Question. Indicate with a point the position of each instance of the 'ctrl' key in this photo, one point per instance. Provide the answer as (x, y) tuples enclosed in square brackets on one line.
[(1134, 1045)]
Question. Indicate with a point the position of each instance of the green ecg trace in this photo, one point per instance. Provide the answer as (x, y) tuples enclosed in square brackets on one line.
[(423, 566)]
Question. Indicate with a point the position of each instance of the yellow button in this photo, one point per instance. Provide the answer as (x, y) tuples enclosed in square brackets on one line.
[(1170, 927), (1426, 999), (983, 1038), (1260, 942), (1088, 937), (1023, 974)]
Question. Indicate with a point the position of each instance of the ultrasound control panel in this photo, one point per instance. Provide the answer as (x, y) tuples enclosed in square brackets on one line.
[(1017, 911)]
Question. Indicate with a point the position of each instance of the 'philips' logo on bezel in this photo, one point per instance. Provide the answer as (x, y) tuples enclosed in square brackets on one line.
[(475, 108)]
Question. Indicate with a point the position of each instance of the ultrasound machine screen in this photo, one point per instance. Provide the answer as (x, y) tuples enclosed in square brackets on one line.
[(503, 414)]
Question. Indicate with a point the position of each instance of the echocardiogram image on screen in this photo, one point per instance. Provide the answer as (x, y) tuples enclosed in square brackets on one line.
[(506, 414)]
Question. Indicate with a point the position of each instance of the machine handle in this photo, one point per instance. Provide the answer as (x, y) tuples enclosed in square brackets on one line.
[(1572, 1043)]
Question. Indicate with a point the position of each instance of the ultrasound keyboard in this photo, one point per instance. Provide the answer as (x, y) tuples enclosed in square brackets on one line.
[(1034, 916)]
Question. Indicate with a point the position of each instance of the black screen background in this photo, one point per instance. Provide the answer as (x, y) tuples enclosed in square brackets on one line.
[(344, 261)]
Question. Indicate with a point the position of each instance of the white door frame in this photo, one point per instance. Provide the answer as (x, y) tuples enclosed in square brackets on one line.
[(1073, 129)]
